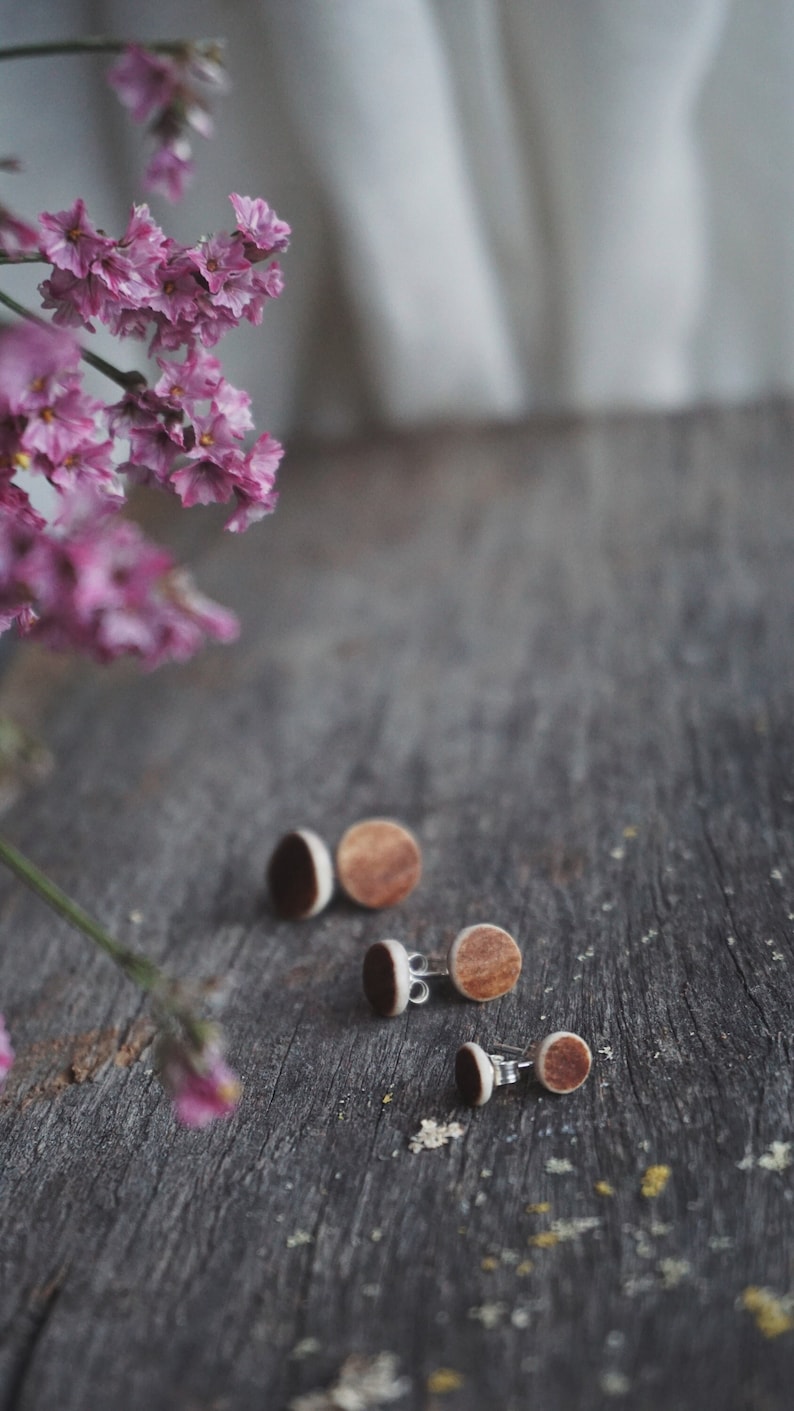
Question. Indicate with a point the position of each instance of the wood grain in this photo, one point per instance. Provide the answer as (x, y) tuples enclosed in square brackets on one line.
[(562, 654)]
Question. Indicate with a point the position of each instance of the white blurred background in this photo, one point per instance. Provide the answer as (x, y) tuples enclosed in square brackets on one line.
[(499, 206)]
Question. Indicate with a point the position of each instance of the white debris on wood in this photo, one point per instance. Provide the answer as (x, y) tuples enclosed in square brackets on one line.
[(300, 1237), (673, 1271), (433, 1134), (614, 1384), (558, 1166), (363, 1382), (777, 1157), (572, 1229), (489, 1314), (307, 1347)]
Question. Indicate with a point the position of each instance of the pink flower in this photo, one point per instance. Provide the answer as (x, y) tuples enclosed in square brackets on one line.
[(87, 465), (214, 436), (69, 239), (17, 236), (60, 428), (256, 493), (154, 449), (234, 405), (176, 289), (145, 82), (207, 481), (164, 92), (195, 380), (6, 1053), (170, 170), (198, 1081), (76, 302), (265, 284), (264, 233), (33, 360), (143, 241), (15, 506), (220, 259), (98, 586)]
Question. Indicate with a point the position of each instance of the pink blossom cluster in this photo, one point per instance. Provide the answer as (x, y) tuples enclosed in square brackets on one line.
[(198, 1080), (166, 91), (6, 1053), (88, 579)]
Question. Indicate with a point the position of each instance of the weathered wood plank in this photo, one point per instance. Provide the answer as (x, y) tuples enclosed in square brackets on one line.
[(562, 655)]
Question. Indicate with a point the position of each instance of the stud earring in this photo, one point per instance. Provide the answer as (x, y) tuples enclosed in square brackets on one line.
[(483, 962), (378, 862), (561, 1062)]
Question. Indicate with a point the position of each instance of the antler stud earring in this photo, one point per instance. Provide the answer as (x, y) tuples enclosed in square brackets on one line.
[(378, 862), (483, 962), (561, 1062)]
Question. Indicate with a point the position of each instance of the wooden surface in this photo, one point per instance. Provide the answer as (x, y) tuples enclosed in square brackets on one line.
[(563, 656)]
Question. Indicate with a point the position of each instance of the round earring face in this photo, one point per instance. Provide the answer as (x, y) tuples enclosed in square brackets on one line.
[(474, 1074), (300, 875), (562, 1062), (378, 862), (484, 962), (387, 978)]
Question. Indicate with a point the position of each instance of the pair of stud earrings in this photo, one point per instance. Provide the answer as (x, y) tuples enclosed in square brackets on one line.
[(482, 963), (378, 863), (561, 1063)]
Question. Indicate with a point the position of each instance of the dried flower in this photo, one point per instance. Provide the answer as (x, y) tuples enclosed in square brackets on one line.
[(84, 581), (165, 91), (261, 228), (196, 1077)]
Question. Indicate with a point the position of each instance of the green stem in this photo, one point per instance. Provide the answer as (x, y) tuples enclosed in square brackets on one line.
[(92, 44), (136, 967), (127, 380), (23, 260), (20, 309)]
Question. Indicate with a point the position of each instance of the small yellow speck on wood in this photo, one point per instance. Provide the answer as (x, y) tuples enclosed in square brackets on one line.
[(545, 1240), (773, 1315), (444, 1380), (654, 1181)]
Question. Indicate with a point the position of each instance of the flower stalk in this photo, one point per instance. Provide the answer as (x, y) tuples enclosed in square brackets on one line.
[(189, 1048), (136, 967), (91, 44)]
